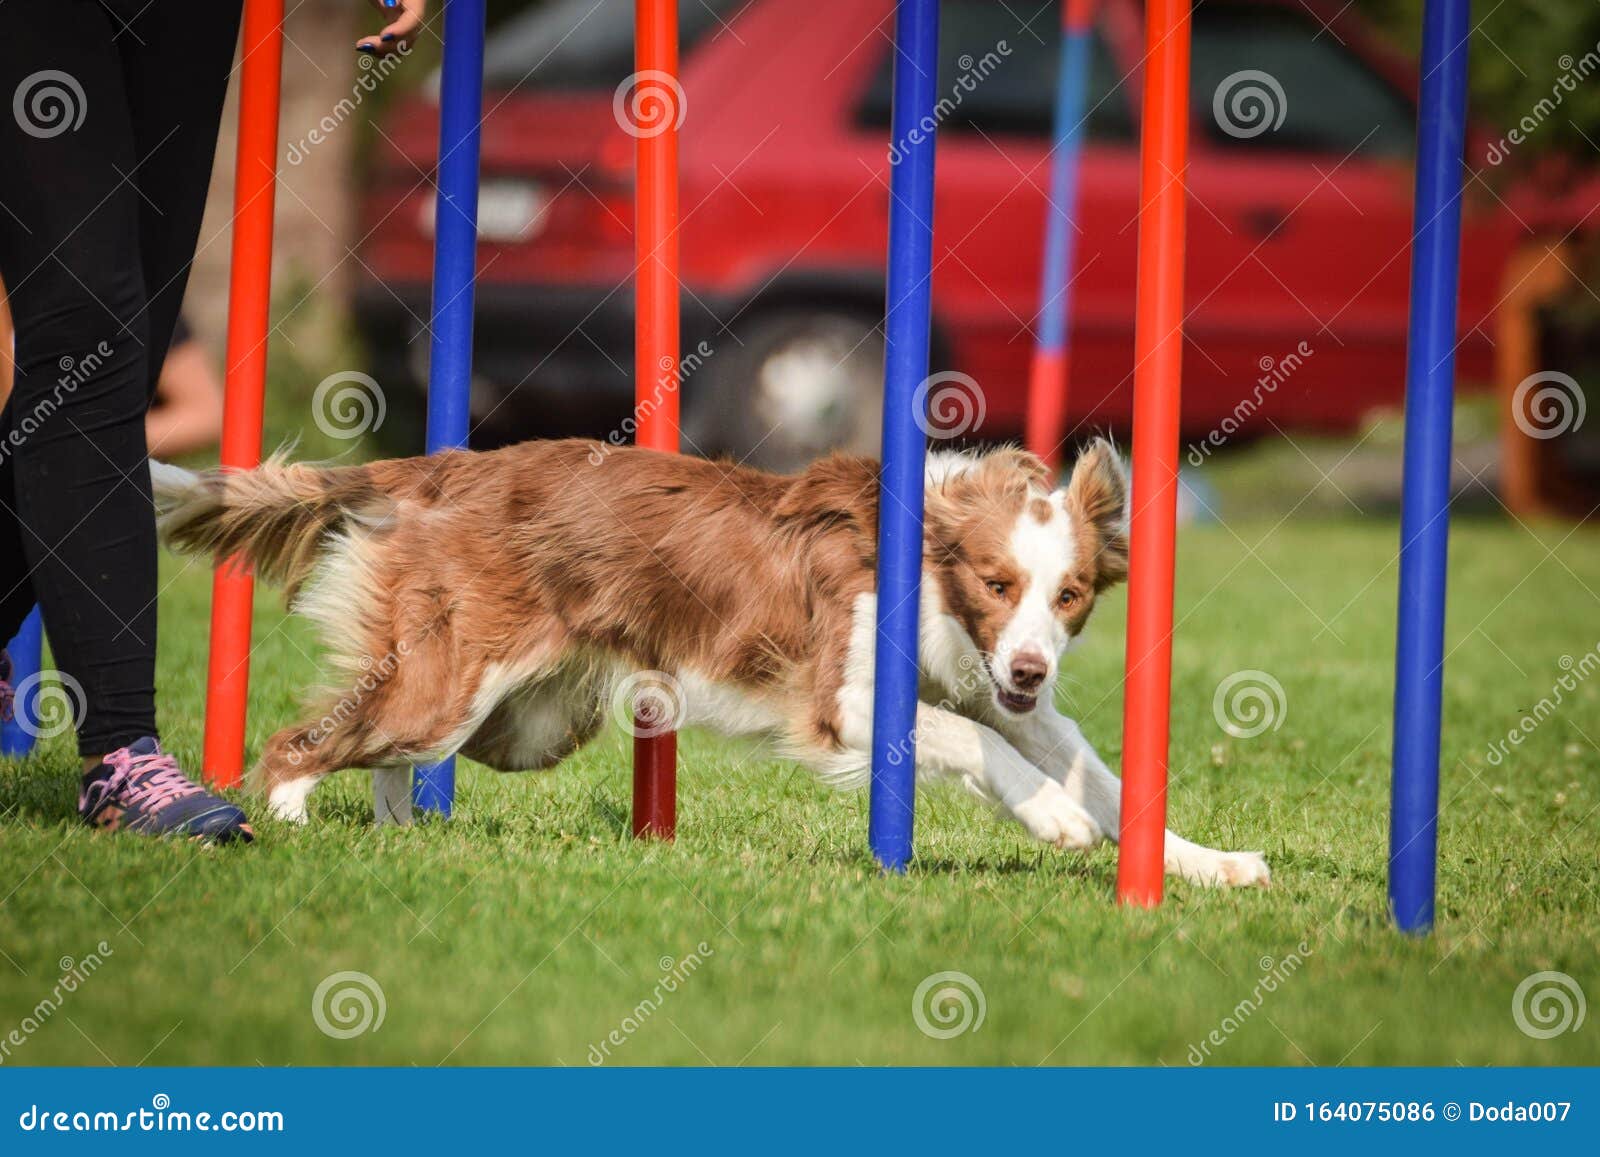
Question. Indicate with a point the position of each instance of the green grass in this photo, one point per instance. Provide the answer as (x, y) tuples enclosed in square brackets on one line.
[(530, 927)]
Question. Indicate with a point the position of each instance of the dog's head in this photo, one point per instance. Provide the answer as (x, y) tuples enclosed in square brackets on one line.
[(1018, 565)]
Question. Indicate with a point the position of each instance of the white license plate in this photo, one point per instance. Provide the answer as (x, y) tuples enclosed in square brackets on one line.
[(508, 211)]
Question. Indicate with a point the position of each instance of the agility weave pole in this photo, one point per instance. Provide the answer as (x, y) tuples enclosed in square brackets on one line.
[(455, 252), (1157, 385), (26, 650), (1425, 514), (655, 346), (900, 497), (245, 380), (1048, 378)]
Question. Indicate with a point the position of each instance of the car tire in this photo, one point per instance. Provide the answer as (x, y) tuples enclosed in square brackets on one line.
[(795, 385)]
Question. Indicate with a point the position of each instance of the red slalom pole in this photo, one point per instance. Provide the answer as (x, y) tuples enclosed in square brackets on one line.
[(1157, 379), (249, 298), (655, 107)]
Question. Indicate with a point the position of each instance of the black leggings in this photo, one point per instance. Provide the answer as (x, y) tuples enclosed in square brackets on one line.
[(108, 125)]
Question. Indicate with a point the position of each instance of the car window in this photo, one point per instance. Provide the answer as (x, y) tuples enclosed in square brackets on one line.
[(584, 44), (1274, 79), (998, 74)]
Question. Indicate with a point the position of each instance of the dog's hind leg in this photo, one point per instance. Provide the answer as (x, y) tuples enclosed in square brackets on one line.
[(384, 724)]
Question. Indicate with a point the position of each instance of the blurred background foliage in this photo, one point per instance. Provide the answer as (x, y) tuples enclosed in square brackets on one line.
[(1523, 52)]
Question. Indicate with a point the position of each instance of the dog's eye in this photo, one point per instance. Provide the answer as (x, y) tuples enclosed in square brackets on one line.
[(998, 589), (1068, 598)]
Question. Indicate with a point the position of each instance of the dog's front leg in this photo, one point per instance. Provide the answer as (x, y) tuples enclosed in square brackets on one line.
[(1058, 748), (951, 745)]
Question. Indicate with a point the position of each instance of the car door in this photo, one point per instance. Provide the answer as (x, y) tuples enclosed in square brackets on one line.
[(1300, 187)]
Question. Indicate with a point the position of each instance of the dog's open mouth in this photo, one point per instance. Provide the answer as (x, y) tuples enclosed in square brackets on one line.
[(1014, 702)]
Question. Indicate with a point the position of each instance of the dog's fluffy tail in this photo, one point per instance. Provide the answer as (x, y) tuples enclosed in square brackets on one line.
[(276, 517)]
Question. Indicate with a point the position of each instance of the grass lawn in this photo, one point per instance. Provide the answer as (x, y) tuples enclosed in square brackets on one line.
[(531, 927)]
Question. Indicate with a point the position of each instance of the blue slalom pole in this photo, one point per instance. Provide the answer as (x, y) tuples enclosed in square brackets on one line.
[(1425, 517), (894, 696), (1047, 384), (455, 245), (27, 656)]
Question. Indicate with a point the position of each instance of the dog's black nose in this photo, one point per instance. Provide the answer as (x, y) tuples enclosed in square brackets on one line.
[(1028, 671)]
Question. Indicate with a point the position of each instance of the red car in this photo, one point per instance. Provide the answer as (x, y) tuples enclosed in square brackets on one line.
[(1299, 224)]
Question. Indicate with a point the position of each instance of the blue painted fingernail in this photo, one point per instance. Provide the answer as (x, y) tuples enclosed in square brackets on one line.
[(388, 36), (365, 48)]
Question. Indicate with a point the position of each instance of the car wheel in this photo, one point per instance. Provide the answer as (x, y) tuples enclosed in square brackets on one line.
[(794, 386)]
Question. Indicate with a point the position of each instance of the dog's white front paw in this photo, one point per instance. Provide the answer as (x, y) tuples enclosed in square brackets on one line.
[(1053, 816), (1227, 869)]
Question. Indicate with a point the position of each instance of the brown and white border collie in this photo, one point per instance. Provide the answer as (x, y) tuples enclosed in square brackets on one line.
[(492, 604)]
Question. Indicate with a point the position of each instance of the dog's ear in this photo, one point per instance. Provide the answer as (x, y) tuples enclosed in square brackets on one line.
[(1097, 498)]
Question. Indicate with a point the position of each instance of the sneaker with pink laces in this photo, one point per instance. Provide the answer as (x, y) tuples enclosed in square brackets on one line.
[(142, 789)]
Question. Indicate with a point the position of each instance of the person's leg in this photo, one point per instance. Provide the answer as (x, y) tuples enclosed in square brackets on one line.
[(79, 500), (176, 61)]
